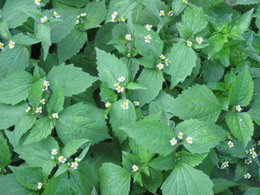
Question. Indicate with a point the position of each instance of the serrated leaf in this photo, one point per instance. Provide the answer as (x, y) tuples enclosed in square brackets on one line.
[(183, 60), (14, 88), (35, 93), (107, 95), (57, 185), (153, 136), (205, 135), (221, 184), (81, 121), (71, 44), (185, 180), (114, 180), (191, 159), (241, 90), (71, 147), (43, 34), (56, 102), (178, 6), (197, 102), (255, 109), (68, 78), (241, 126), (5, 153), (246, 2)]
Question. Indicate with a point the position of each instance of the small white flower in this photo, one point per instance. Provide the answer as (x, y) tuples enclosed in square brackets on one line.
[(122, 19), (173, 141), (56, 14), (167, 62), (160, 66), (54, 152), (125, 106), (44, 19), (170, 13), (185, 1), (62, 159), (248, 161), (238, 108), (108, 104), (38, 109), (27, 109), (121, 79), (199, 40), (162, 57), (162, 13), (45, 85), (83, 14), (230, 144), (37, 2), (77, 22), (247, 176), (1, 45), (39, 185), (189, 140), (189, 43), (77, 160), (120, 89), (135, 168), (254, 155), (11, 44), (252, 150), (147, 38), (136, 103), (114, 16), (148, 27), (128, 37), (55, 115), (224, 165), (42, 101), (74, 165), (180, 135)]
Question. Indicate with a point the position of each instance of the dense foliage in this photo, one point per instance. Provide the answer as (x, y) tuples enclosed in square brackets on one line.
[(118, 97)]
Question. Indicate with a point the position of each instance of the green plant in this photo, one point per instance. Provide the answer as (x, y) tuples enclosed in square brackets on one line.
[(133, 97)]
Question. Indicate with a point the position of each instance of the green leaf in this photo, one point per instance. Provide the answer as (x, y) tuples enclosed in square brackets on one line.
[(152, 80), (255, 110), (120, 117), (35, 93), (14, 88), (68, 78), (178, 6), (114, 180), (153, 136), (205, 135), (62, 169), (96, 13), (153, 181), (71, 44), (183, 60), (13, 60), (246, 2), (134, 86), (191, 159), (221, 184), (252, 191), (193, 21), (81, 121), (197, 102), (57, 185), (185, 180), (241, 126), (110, 68), (107, 95), (24, 39), (42, 129), (28, 176), (56, 102), (241, 90), (5, 153), (71, 147)]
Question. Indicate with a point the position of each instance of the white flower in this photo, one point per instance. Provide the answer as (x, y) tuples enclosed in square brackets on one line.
[(121, 79), (128, 37), (27, 109), (74, 165), (238, 108), (56, 14), (11, 44), (180, 135), (199, 40), (42, 101), (160, 66), (170, 13), (247, 176), (167, 62), (248, 161), (252, 150), (45, 85), (224, 165), (148, 27), (108, 104), (62, 159), (77, 22), (135, 168), (125, 106), (83, 14), (230, 144), (162, 13), (38, 109), (39, 185), (173, 141), (254, 155), (162, 57), (147, 38), (185, 1), (189, 140), (55, 115), (77, 160), (1, 45), (122, 19), (120, 89), (189, 43), (136, 103), (54, 152), (37, 2), (44, 19), (114, 16)]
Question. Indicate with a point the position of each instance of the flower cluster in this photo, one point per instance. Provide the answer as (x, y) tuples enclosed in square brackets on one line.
[(75, 164), (163, 62), (125, 105), (135, 168), (116, 18), (248, 161), (224, 165), (253, 153), (81, 17), (45, 85), (174, 141), (247, 176), (120, 88), (39, 185)]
